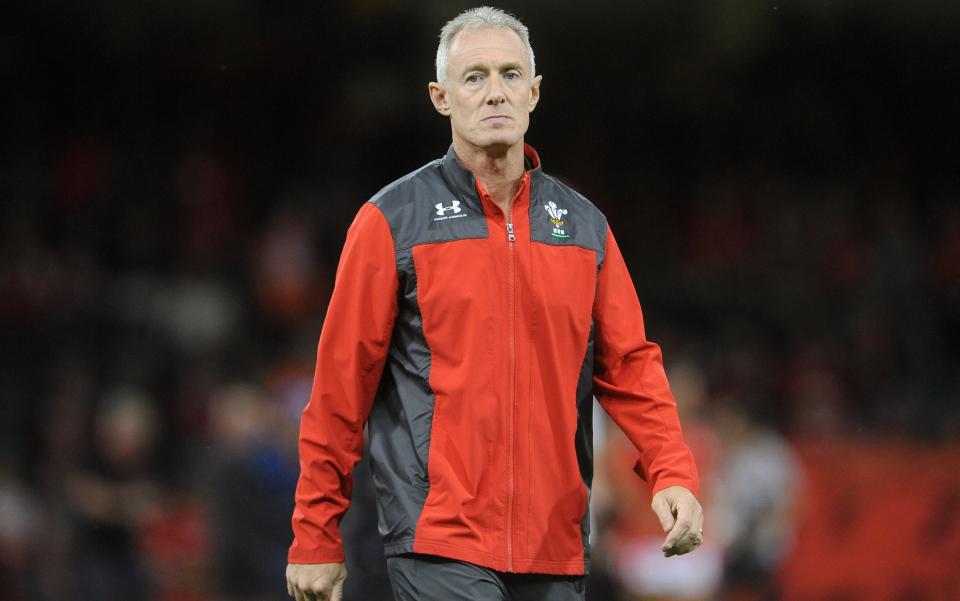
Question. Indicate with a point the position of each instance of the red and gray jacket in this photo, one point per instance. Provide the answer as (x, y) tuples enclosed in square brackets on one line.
[(471, 344)]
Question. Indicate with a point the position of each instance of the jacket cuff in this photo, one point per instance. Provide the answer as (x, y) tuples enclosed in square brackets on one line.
[(319, 556), (690, 484)]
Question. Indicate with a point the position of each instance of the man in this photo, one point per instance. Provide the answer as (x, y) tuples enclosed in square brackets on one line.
[(479, 306)]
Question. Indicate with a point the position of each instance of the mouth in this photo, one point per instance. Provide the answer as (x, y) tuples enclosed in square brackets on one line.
[(496, 119)]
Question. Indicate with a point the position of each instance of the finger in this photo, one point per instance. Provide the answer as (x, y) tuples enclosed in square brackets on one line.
[(290, 589), (680, 527), (692, 540), (337, 594), (694, 535), (664, 513), (298, 594), (697, 529), (320, 594), (318, 590)]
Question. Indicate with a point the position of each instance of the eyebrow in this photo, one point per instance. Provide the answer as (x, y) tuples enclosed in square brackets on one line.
[(484, 68)]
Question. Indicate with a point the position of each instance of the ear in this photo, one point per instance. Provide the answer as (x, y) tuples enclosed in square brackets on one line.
[(438, 96), (534, 93)]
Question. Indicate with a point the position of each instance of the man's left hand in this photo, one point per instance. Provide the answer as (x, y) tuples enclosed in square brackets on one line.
[(681, 517)]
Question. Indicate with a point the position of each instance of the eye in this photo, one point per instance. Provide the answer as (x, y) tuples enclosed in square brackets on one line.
[(511, 75), (473, 78)]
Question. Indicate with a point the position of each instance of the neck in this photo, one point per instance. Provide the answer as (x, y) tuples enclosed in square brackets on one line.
[(499, 169)]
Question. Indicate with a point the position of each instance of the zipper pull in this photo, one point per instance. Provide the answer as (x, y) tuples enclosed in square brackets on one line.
[(510, 236)]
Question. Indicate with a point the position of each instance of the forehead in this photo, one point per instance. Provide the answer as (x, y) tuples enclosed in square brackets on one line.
[(487, 45)]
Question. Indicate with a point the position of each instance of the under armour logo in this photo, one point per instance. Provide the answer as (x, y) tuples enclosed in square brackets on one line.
[(455, 207)]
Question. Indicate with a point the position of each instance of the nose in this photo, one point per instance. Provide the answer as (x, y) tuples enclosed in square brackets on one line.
[(495, 95)]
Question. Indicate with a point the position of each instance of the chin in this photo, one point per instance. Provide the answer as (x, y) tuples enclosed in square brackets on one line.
[(497, 148), (502, 141)]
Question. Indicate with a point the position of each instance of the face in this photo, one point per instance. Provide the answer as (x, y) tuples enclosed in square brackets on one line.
[(489, 94)]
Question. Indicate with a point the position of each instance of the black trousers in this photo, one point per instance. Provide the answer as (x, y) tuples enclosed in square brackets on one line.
[(418, 577)]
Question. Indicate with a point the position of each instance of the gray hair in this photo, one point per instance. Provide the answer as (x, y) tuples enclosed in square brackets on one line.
[(479, 18)]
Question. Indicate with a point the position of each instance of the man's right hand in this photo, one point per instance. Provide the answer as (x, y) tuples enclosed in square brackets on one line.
[(316, 581)]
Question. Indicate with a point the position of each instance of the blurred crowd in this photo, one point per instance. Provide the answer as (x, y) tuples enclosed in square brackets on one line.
[(177, 180)]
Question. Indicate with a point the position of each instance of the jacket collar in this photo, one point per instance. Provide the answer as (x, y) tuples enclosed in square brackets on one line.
[(464, 184)]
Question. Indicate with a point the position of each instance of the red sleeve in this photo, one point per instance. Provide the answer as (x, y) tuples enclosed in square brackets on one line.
[(350, 358), (630, 383)]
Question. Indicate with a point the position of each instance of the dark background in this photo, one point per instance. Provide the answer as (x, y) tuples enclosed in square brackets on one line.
[(176, 180)]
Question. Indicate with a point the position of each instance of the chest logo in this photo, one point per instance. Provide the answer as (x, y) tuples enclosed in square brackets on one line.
[(556, 218), (454, 208)]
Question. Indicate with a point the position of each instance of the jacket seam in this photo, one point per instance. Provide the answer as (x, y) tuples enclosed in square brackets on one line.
[(426, 242), (385, 335), (574, 244)]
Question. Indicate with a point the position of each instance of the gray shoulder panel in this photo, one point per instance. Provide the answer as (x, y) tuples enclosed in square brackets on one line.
[(422, 208), (561, 216)]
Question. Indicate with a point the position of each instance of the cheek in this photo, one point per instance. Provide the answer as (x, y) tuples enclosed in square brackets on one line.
[(462, 109)]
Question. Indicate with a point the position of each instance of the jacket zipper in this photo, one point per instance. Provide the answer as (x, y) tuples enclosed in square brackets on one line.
[(511, 238)]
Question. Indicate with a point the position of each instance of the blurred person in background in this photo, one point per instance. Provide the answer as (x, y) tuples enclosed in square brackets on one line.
[(247, 482), (479, 305), (19, 521), (110, 495), (759, 485)]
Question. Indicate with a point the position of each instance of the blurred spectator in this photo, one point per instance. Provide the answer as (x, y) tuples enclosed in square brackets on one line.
[(286, 272), (110, 495), (248, 487), (18, 527), (758, 486), (176, 546)]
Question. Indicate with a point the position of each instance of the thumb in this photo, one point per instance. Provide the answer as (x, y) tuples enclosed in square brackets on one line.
[(337, 594), (664, 513)]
